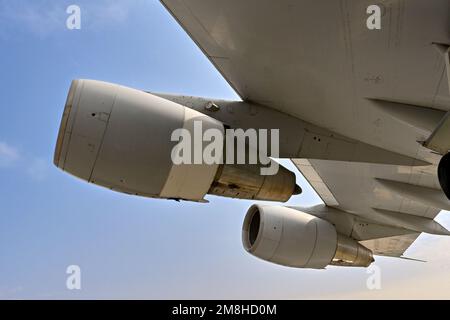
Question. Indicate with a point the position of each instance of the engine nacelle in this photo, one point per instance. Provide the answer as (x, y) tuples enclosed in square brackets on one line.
[(120, 138), (293, 238), (444, 174)]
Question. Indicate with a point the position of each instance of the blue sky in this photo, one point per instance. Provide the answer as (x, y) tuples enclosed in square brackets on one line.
[(130, 247)]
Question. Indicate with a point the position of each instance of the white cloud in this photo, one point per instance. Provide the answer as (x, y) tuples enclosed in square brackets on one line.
[(10, 292), (39, 18), (115, 12), (101, 15), (38, 169), (35, 167), (8, 154), (43, 18)]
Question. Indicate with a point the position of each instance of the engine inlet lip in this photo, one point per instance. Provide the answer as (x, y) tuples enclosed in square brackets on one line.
[(252, 228), (64, 122)]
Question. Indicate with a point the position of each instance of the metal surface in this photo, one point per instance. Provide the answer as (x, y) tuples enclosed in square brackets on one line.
[(294, 238), (120, 138), (288, 237), (246, 182), (350, 253), (283, 61)]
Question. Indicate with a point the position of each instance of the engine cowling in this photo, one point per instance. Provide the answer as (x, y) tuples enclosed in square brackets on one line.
[(444, 174), (293, 238), (120, 138)]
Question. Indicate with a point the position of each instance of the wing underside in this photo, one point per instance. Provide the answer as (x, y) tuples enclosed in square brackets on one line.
[(356, 188), (316, 60)]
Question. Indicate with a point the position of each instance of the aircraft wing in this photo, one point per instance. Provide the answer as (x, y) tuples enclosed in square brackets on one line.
[(391, 246), (281, 53), (317, 60), (359, 188)]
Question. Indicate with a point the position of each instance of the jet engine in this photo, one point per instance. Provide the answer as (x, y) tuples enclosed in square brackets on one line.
[(121, 138), (293, 238), (444, 174)]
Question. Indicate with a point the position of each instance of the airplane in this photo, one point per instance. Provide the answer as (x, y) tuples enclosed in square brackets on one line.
[(363, 114)]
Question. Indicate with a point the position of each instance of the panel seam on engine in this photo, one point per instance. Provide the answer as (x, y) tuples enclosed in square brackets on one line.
[(103, 138)]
